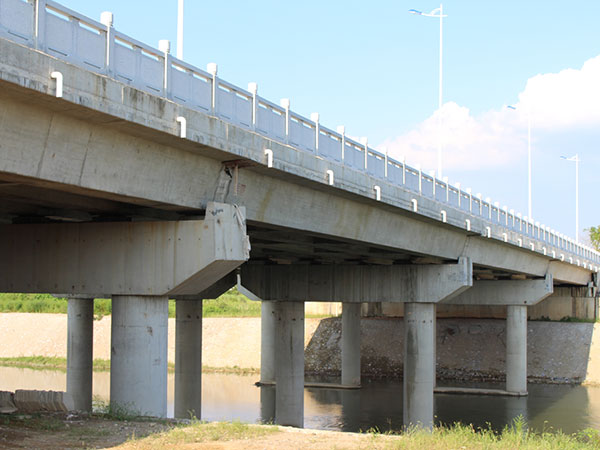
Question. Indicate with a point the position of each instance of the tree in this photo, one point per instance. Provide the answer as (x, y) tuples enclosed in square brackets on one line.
[(594, 233)]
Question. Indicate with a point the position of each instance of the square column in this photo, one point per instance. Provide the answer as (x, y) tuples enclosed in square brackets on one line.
[(289, 364), (516, 349), (351, 344), (80, 345), (419, 364), (138, 373), (188, 359)]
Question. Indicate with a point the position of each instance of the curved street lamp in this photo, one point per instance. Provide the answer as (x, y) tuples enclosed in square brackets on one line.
[(529, 207), (437, 13)]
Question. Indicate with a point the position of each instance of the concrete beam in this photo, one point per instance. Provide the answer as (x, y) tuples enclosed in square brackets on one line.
[(133, 258), (505, 292), (214, 291), (357, 284)]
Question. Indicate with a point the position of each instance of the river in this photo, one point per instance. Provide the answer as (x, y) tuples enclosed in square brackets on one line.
[(378, 404)]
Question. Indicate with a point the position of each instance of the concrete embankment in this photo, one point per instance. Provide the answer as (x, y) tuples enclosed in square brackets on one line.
[(466, 348)]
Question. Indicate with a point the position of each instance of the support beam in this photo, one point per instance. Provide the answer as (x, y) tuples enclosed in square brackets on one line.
[(268, 324), (188, 359), (146, 258), (516, 349), (419, 364), (356, 284), (138, 374), (80, 344), (351, 344), (289, 360)]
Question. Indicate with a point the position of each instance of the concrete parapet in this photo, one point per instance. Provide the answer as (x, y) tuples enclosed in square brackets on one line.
[(37, 401)]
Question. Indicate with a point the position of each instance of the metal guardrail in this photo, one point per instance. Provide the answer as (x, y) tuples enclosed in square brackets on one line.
[(97, 46)]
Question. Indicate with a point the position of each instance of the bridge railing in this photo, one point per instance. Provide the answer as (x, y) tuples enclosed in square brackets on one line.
[(97, 46)]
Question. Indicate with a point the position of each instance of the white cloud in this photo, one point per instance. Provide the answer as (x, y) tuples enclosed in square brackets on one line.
[(556, 101)]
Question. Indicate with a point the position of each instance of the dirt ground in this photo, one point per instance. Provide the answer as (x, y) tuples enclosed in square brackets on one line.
[(67, 431)]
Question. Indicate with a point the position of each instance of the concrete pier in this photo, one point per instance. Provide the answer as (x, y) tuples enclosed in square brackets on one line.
[(516, 349), (351, 344), (267, 342), (80, 340), (289, 364), (138, 376), (188, 359), (419, 364)]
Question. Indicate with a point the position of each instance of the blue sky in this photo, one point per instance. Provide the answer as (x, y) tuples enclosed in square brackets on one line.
[(373, 67)]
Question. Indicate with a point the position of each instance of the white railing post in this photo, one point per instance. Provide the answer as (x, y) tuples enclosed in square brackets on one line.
[(39, 25), (213, 68), (445, 180), (459, 195), (315, 118), (365, 142), (432, 174), (385, 172), (342, 130), (480, 198), (164, 46), (403, 170), (420, 178), (253, 89), (285, 104), (107, 19)]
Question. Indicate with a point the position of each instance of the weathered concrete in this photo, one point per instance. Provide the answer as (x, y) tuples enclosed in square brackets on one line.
[(121, 140), (289, 364), (80, 338), (516, 349), (188, 359), (419, 364), (147, 258), (7, 402), (268, 326), (355, 284), (37, 401), (351, 344), (138, 375)]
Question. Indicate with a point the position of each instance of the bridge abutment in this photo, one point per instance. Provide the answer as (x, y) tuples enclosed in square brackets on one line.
[(138, 372), (80, 341)]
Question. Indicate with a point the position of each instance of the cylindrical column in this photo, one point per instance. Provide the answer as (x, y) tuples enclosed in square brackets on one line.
[(419, 364), (289, 364), (188, 359), (80, 345), (516, 349), (351, 344), (138, 373), (267, 404), (267, 342)]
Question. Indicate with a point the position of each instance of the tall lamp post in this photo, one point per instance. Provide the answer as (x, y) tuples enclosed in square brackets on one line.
[(438, 13), (529, 208), (576, 160), (180, 29)]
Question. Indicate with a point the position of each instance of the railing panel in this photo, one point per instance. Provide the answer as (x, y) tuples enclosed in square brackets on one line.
[(234, 105), (426, 186), (191, 88), (125, 61), (485, 210), (440, 191), (395, 173), (16, 20), (151, 72), (59, 35), (302, 133), (270, 120), (412, 179), (330, 145), (453, 196), (376, 164), (354, 155)]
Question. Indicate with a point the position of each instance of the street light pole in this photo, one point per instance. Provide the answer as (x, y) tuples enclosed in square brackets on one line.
[(576, 160), (180, 29), (438, 13), (529, 207)]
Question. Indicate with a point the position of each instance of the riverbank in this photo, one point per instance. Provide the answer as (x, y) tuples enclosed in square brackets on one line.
[(467, 349), (54, 431)]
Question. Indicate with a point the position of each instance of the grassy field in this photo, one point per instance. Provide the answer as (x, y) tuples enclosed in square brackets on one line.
[(230, 304)]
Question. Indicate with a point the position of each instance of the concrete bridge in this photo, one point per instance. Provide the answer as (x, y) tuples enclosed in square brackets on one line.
[(125, 172)]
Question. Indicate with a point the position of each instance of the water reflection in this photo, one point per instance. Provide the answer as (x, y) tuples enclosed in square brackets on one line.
[(377, 405)]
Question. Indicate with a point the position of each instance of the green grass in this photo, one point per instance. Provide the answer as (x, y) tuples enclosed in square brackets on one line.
[(100, 365), (230, 304)]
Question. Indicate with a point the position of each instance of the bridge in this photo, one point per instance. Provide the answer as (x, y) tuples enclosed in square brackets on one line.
[(130, 174)]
